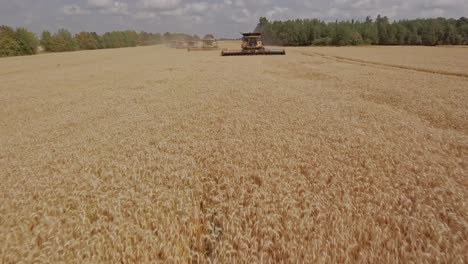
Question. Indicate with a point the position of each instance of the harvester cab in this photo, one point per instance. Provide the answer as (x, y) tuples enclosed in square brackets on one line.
[(252, 44), (252, 41), (209, 43)]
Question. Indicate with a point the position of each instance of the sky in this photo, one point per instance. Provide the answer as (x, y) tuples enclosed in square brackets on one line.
[(224, 18)]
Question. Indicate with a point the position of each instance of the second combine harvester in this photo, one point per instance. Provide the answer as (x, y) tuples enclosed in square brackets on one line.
[(252, 44), (208, 43)]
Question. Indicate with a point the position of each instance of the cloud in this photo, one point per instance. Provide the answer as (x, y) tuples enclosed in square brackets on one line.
[(71, 10), (433, 12), (160, 4), (443, 3), (117, 8), (100, 3), (276, 12), (144, 15), (199, 7)]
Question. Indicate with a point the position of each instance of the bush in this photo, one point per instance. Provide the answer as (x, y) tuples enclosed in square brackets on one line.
[(356, 39)]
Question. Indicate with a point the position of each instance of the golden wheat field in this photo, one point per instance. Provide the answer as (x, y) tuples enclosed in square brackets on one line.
[(151, 154)]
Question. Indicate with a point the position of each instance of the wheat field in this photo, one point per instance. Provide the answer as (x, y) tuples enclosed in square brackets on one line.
[(151, 154)]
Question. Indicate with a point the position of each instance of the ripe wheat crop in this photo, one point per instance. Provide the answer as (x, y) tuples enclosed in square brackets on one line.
[(146, 155)]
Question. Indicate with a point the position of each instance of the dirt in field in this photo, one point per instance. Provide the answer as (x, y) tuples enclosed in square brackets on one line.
[(326, 155)]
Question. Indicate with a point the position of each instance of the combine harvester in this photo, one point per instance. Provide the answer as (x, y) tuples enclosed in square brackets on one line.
[(252, 44), (181, 45), (192, 45), (208, 43)]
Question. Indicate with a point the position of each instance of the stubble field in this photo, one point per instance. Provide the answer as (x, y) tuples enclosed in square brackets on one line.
[(326, 155)]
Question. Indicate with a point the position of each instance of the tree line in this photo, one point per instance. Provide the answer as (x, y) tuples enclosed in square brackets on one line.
[(14, 42), (20, 41), (306, 32)]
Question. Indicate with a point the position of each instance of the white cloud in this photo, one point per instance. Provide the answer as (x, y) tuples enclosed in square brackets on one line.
[(276, 12), (434, 12), (194, 12), (181, 11), (239, 3), (365, 4), (100, 3), (443, 3), (118, 8), (160, 4), (143, 15), (73, 10), (199, 7)]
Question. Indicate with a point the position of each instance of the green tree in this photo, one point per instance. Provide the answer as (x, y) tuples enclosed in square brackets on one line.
[(7, 32), (109, 41), (8, 44), (462, 28), (402, 35), (262, 23), (414, 39), (27, 42), (343, 34), (46, 41), (369, 32), (385, 32), (86, 41), (97, 39), (304, 32), (429, 37), (62, 41)]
